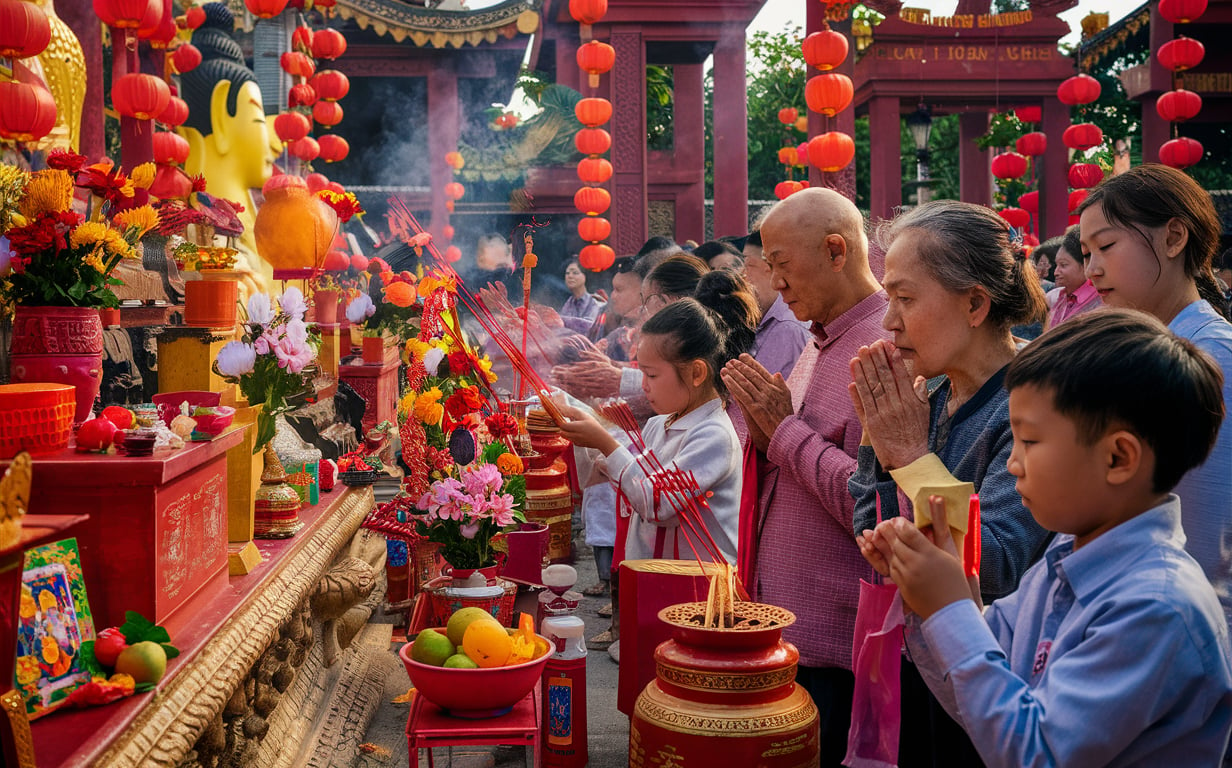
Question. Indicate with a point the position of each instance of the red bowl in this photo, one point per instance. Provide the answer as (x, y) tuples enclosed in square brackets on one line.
[(474, 693), (211, 425), (168, 403)]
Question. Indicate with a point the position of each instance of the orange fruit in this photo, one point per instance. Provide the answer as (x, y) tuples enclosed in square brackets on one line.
[(523, 645), (487, 644)]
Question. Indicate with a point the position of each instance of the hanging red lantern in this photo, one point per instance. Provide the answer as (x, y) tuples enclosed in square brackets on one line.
[(170, 148), (802, 155), (825, 50), (24, 29), (1031, 144), (301, 95), (597, 257), (1179, 105), (828, 94), (1085, 175), (306, 149), (125, 14), (322, 5), (328, 44), (1082, 136), (788, 156), (455, 160), (785, 189), (301, 39), (788, 115), (1029, 201), (175, 113), (330, 84), (831, 151), (587, 11), (1181, 153), (170, 183), (594, 170), (592, 201), (194, 17), (297, 64), (1181, 11), (1029, 114), (185, 58), (327, 113), (1076, 199), (1016, 217), (594, 112), (265, 9), (333, 148), (592, 141), (453, 254), (314, 181), (292, 126), (595, 58), (454, 190), (801, 124), (1009, 165), (29, 111), (158, 26), (447, 231), (140, 95), (1181, 54), (594, 228), (1079, 89)]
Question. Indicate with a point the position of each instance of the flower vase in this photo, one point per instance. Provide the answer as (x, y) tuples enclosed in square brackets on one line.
[(325, 306), (210, 302), (463, 577), (277, 507), (59, 345)]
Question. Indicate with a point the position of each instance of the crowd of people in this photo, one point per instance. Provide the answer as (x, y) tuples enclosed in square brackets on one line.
[(821, 397)]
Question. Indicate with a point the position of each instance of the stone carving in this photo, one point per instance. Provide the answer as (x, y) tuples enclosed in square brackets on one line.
[(347, 583)]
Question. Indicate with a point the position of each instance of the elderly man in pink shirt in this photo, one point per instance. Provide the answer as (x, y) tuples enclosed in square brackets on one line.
[(795, 538)]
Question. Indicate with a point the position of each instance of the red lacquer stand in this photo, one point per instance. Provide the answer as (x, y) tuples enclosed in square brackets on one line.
[(429, 727), (378, 386)]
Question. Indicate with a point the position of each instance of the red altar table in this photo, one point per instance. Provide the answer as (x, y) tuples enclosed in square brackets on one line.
[(157, 533), (428, 727)]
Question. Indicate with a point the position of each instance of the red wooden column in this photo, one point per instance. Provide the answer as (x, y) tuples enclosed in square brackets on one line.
[(689, 147), (443, 131), (80, 18), (731, 136), (885, 161), (628, 85), (1155, 130), (1054, 181), (974, 185)]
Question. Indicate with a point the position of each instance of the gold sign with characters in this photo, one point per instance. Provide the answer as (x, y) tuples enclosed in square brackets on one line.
[(925, 54), (966, 20)]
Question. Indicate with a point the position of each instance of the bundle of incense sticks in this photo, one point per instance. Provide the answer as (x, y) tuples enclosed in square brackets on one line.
[(618, 412)]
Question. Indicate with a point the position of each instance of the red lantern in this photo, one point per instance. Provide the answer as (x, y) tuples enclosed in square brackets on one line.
[(594, 170), (291, 126), (788, 115), (1029, 201), (328, 44), (594, 228), (1079, 89), (789, 156), (125, 14), (24, 29), (1181, 153), (139, 95), (1016, 217), (333, 148), (330, 84), (1181, 11), (1178, 106), (1085, 175), (158, 27), (297, 64), (454, 190), (785, 189), (597, 257), (170, 148), (453, 253), (170, 183), (828, 94), (1181, 54), (825, 50), (1076, 199), (595, 58), (1009, 165), (265, 9), (802, 155), (592, 141), (301, 95), (455, 160), (194, 17), (185, 58), (1082, 136), (447, 231), (301, 39), (336, 261), (175, 113), (593, 112), (1029, 114), (29, 111), (315, 183), (327, 113), (587, 11), (592, 201), (306, 149), (831, 151), (1031, 144)]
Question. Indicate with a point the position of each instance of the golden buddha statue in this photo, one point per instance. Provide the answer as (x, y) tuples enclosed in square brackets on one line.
[(229, 141), (64, 71)]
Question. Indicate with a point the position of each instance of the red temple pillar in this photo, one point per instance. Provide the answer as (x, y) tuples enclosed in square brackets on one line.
[(689, 144), (973, 163), (630, 225), (80, 18), (443, 132), (885, 160), (1054, 179), (731, 136)]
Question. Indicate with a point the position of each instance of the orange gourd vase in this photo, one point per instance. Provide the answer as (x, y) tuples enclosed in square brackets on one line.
[(294, 228)]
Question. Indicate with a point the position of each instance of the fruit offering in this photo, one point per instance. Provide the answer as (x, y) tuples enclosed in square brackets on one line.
[(473, 639), (137, 652)]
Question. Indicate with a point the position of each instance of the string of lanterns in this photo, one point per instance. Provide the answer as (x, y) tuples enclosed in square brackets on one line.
[(314, 94), (828, 94), (595, 58), (1179, 105), (29, 111)]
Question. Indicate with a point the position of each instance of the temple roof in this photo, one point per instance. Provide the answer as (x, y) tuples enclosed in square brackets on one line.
[(1129, 33), (440, 28)]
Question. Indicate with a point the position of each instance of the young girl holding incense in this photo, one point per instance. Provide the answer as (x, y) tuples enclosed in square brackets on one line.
[(681, 351)]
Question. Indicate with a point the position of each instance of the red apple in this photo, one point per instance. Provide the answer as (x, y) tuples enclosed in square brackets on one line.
[(108, 646), (95, 435)]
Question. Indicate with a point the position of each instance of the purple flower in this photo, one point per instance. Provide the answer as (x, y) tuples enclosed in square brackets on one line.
[(260, 309), (468, 530), (236, 359), (292, 302)]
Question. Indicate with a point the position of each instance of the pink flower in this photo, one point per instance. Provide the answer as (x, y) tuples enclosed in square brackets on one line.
[(483, 479), (501, 508), (468, 530), (294, 357)]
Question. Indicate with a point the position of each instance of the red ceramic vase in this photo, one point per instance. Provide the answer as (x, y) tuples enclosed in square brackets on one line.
[(59, 345)]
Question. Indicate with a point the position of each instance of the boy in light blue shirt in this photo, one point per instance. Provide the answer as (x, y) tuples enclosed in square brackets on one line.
[(1114, 650)]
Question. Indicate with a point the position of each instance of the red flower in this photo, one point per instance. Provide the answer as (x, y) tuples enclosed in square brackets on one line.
[(65, 160), (198, 183), (47, 233), (459, 363), (463, 401), (107, 181), (501, 425)]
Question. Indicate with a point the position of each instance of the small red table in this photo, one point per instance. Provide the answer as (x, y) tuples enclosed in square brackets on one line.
[(429, 727)]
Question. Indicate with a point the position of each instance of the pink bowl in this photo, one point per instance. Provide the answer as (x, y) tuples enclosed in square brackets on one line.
[(474, 693), (168, 403), (211, 425)]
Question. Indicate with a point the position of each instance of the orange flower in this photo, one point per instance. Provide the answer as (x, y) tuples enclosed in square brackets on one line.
[(509, 464), (400, 294)]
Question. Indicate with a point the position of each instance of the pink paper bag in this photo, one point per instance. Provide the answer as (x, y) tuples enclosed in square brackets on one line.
[(876, 655)]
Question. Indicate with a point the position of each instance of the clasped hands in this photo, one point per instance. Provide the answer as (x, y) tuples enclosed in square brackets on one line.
[(764, 398), (892, 406)]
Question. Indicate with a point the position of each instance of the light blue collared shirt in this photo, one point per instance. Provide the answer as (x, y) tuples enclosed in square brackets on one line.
[(1116, 653)]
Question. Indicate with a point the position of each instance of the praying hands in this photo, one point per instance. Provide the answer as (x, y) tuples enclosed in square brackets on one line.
[(763, 397)]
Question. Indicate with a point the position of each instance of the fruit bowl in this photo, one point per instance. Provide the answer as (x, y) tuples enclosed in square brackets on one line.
[(168, 403), (474, 693)]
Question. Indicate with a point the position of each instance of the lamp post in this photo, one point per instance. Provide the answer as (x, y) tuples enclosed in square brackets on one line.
[(920, 123)]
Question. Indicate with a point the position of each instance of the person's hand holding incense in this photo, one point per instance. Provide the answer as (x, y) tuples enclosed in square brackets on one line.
[(763, 397), (892, 406), (585, 431)]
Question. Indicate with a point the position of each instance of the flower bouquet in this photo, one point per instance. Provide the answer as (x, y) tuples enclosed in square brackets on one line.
[(466, 513), (272, 361)]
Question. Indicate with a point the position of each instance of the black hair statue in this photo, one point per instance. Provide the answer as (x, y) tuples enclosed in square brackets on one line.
[(221, 59)]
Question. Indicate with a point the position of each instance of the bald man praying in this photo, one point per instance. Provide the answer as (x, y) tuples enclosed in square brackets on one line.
[(796, 539)]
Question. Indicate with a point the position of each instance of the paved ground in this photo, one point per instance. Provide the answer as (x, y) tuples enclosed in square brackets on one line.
[(608, 729)]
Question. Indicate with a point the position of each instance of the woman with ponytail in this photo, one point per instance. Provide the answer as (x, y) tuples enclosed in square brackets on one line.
[(680, 353)]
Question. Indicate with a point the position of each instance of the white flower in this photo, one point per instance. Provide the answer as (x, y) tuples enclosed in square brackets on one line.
[(259, 309), (292, 302), (360, 309), (236, 358), (296, 332), (432, 360)]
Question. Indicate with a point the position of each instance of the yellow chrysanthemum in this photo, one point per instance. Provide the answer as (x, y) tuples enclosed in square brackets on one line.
[(47, 191), (417, 349), (94, 260), (89, 233), (406, 405), (143, 218), (432, 395), (142, 176), (116, 245), (485, 363)]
